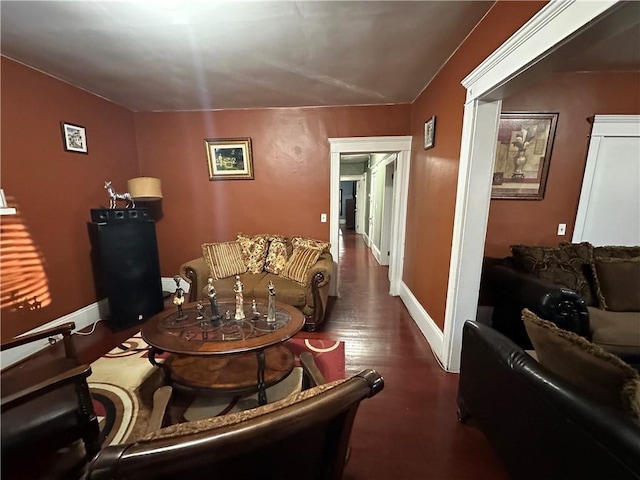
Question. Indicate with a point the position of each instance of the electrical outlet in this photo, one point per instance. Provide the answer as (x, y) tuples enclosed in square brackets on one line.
[(323, 217), (562, 228)]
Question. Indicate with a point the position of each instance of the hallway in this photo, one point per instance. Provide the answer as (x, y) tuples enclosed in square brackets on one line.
[(410, 430)]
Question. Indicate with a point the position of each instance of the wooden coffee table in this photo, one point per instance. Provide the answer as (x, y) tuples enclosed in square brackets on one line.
[(224, 355)]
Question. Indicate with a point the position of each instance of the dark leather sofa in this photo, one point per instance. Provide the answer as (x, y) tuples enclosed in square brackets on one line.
[(540, 426), (513, 290)]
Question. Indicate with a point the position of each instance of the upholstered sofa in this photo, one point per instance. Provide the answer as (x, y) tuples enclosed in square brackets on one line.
[(542, 425), (300, 269), (592, 291)]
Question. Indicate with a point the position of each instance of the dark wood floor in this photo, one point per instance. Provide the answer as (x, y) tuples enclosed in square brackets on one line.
[(410, 430)]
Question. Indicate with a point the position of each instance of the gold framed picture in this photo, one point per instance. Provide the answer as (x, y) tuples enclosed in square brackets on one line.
[(229, 158)]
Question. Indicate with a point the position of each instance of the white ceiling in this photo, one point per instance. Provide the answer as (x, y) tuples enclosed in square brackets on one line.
[(168, 55)]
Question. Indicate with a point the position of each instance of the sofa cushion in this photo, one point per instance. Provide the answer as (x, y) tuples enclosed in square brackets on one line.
[(598, 374), (224, 259), (254, 251), (287, 291), (616, 332), (310, 242), (615, 251), (569, 264), (299, 263), (277, 255), (619, 283)]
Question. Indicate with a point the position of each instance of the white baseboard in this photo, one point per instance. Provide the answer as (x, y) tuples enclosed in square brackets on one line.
[(425, 323), (376, 253), (83, 317), (365, 237)]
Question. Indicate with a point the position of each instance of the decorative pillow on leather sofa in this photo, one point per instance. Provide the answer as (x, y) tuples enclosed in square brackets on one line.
[(598, 374), (569, 264), (619, 284), (224, 259), (615, 251)]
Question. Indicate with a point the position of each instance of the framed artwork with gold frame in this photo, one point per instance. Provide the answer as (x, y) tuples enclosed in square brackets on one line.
[(229, 158)]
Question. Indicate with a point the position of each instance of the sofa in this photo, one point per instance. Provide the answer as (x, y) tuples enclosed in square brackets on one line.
[(541, 425), (299, 268), (592, 291)]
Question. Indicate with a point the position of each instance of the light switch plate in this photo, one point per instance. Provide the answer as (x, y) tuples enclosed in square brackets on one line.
[(562, 229), (323, 217)]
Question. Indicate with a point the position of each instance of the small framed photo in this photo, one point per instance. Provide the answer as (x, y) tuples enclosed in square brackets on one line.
[(74, 138), (429, 133), (229, 158)]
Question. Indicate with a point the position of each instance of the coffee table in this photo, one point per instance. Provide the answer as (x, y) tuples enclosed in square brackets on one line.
[(224, 354)]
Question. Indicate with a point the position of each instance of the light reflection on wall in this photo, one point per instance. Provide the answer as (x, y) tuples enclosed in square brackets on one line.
[(23, 281)]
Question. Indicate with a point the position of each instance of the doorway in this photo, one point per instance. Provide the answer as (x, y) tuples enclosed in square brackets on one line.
[(532, 45), (399, 144)]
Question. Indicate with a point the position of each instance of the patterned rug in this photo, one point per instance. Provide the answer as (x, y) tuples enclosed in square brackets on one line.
[(123, 382)]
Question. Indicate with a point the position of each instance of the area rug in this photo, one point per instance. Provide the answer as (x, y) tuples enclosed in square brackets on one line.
[(123, 381)]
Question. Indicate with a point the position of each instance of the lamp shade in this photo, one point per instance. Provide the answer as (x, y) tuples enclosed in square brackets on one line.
[(145, 188)]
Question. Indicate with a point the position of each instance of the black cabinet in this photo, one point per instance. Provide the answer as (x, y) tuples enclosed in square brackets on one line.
[(126, 264)]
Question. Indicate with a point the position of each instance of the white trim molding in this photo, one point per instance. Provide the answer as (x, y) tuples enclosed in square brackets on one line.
[(537, 39), (400, 144), (425, 323)]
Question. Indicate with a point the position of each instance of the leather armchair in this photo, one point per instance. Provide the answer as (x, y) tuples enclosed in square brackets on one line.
[(46, 409), (303, 437), (541, 426)]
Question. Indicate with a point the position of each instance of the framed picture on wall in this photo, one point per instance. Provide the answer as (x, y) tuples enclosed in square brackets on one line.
[(74, 138), (523, 154), (429, 133), (229, 158)]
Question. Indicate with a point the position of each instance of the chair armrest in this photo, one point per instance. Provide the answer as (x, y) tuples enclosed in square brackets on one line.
[(555, 303), (64, 330), (195, 272), (161, 399), (74, 375), (311, 370)]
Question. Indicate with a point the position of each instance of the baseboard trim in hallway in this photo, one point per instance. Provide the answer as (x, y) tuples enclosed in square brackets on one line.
[(423, 320)]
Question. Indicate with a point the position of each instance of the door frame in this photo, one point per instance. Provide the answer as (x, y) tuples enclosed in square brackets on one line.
[(400, 144), (537, 39)]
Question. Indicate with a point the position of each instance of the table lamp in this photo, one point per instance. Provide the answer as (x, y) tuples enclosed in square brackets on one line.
[(145, 189)]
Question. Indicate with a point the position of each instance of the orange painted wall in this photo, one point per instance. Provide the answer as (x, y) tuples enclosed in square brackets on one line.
[(575, 97), (291, 169), (434, 172), (54, 190)]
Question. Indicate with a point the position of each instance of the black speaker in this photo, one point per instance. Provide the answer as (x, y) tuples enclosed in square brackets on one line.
[(125, 254)]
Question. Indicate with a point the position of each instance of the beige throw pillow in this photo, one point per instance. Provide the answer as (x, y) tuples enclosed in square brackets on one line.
[(301, 260), (224, 259), (598, 374)]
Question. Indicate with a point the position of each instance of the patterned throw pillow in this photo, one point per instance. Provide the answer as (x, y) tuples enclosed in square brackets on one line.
[(301, 260), (254, 251), (310, 242), (224, 259), (569, 264), (277, 255)]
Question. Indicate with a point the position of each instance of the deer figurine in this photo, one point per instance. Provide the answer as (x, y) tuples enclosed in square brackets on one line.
[(114, 197)]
